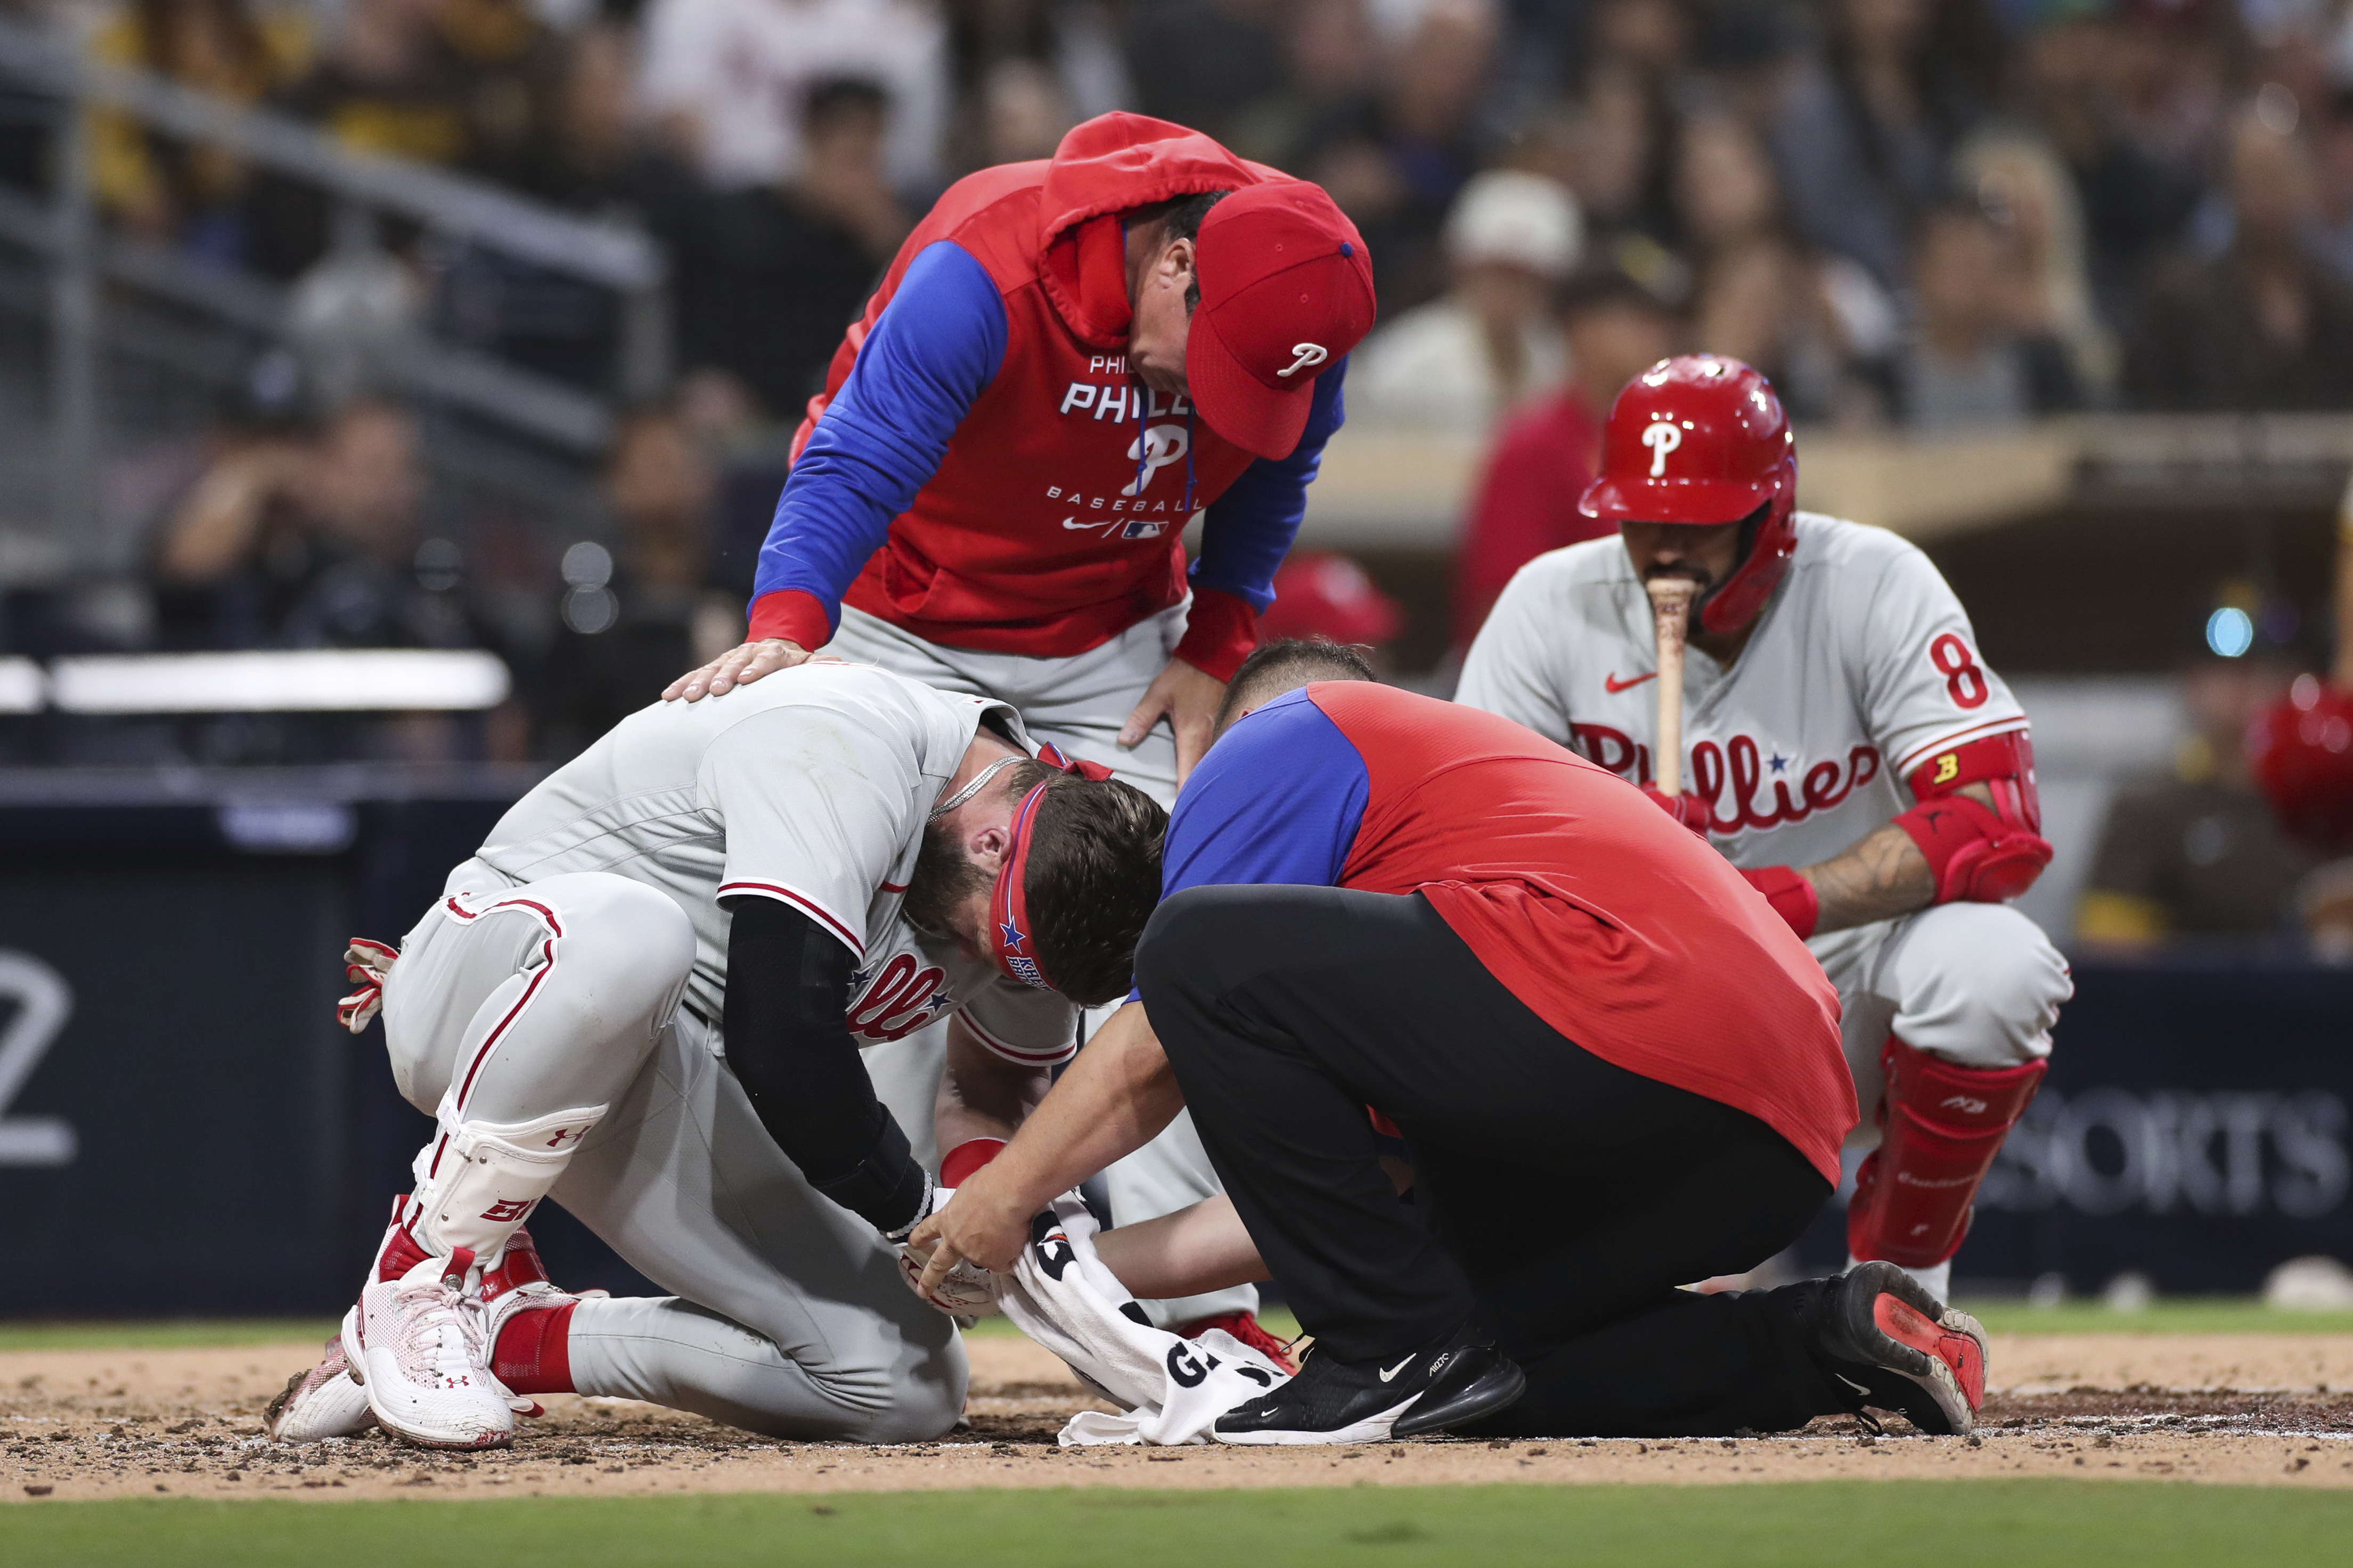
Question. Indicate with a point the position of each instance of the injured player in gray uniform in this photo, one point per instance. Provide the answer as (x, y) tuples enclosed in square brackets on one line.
[(645, 996)]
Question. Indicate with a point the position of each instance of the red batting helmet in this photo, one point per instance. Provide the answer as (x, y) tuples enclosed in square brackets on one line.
[(1699, 439), (2302, 752)]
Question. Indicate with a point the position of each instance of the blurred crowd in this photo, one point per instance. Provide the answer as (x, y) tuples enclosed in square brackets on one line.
[(1934, 215), (1931, 214)]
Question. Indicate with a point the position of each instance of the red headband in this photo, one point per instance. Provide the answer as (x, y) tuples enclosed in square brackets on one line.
[(1008, 906)]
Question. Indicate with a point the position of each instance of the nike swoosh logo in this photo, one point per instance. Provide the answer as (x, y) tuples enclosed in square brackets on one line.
[(1611, 680), (1858, 1388), (1399, 1368), (1075, 526)]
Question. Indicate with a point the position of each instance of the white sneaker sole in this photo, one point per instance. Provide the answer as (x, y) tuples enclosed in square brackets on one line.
[(1371, 1430), (417, 1428)]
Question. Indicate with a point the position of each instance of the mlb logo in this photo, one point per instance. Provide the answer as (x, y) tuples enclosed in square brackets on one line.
[(1141, 530)]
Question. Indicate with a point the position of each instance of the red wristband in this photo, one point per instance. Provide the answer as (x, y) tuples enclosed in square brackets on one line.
[(967, 1157), (792, 614), (1791, 896), (1220, 631)]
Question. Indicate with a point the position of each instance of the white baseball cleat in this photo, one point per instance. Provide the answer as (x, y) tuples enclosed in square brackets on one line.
[(420, 1346), (324, 1402)]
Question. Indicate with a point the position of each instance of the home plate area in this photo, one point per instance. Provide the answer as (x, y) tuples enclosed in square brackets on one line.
[(2272, 1409)]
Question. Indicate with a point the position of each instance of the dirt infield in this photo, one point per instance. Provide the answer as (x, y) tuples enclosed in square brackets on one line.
[(2273, 1409)]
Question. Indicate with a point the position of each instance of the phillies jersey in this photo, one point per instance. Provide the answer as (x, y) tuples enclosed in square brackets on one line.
[(984, 469), (811, 787), (1861, 667), (1590, 905)]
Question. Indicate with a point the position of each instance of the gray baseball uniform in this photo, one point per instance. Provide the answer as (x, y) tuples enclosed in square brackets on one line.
[(1080, 703), (1861, 665), (550, 975)]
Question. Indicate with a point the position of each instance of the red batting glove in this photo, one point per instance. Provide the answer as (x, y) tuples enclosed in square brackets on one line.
[(1688, 809), (1791, 896)]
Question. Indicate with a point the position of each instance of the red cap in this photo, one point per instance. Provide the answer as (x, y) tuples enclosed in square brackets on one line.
[(1287, 288), (1320, 595)]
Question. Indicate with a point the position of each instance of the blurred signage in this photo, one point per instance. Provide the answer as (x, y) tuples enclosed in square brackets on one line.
[(2197, 1127)]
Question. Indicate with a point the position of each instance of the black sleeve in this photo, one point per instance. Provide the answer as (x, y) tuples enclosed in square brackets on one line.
[(789, 1044)]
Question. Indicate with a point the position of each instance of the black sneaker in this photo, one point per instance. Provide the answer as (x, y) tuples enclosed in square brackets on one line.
[(1332, 1401), (1888, 1344)]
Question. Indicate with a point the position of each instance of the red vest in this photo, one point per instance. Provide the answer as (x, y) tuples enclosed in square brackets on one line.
[(1051, 524), (1621, 928)]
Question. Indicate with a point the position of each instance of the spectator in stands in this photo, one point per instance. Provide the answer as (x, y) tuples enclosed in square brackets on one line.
[(191, 195), (2135, 202), (631, 623), (1811, 322), (768, 276), (2264, 324), (1492, 343), (592, 157), (1203, 62), (1334, 60), (1526, 499), (1323, 597), (2198, 855), (1396, 159), (1863, 135), (316, 542), (1611, 150), (462, 83), (2020, 182), (1024, 71), (727, 81), (1966, 367)]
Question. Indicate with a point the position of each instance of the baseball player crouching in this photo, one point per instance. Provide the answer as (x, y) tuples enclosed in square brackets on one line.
[(646, 994), (1843, 744)]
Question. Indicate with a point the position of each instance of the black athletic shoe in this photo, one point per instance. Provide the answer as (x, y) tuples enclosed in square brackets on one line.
[(1886, 1343), (1332, 1401)]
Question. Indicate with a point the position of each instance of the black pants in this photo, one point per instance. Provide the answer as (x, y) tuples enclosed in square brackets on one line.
[(1560, 1197)]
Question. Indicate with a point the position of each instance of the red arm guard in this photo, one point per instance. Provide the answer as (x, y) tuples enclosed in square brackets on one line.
[(1978, 854), (1792, 896)]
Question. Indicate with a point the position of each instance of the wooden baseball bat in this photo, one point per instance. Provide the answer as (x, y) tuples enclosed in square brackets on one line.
[(1671, 599)]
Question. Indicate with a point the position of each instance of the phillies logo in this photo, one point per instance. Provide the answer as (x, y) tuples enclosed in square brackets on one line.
[(902, 999), (1309, 354), (1662, 438), (1159, 446), (1738, 769)]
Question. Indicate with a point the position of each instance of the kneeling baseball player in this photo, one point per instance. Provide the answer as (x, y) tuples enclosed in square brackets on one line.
[(1831, 675), (646, 995), (1617, 1069)]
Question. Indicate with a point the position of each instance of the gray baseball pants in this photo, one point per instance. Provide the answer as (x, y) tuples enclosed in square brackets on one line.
[(788, 1316)]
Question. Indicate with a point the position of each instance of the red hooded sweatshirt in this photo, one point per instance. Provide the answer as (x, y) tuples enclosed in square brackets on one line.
[(1048, 521)]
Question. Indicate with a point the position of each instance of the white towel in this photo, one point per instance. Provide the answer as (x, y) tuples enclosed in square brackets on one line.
[(1173, 1388)]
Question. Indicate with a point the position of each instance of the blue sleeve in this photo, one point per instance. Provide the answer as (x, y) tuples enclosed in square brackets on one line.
[(1248, 528), (1278, 799), (934, 350)]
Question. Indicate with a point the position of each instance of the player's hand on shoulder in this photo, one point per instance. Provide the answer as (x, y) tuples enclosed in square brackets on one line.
[(737, 666), (1688, 809)]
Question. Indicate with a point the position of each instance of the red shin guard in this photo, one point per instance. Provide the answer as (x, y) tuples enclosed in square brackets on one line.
[(1942, 1125), (533, 1355)]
